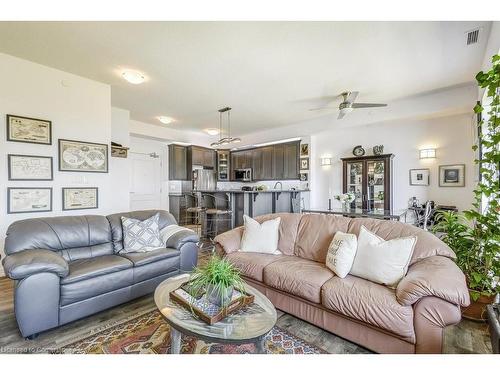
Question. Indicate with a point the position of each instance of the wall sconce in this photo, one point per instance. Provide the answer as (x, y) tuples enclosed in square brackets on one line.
[(325, 161), (428, 153)]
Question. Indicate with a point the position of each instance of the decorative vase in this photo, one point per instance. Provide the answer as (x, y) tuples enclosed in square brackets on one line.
[(477, 309), (346, 206), (219, 297)]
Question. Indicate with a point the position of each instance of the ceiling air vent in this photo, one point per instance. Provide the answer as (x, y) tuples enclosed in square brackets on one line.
[(472, 36)]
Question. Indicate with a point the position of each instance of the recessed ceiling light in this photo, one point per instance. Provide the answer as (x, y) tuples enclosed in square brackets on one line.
[(165, 119), (212, 131), (134, 77)]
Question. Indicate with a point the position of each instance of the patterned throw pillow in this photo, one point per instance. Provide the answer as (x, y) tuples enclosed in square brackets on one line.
[(141, 236)]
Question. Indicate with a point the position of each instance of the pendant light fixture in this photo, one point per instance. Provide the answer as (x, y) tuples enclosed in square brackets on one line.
[(228, 139)]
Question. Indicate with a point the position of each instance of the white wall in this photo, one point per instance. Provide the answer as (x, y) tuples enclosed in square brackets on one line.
[(451, 136), (119, 168), (79, 109), (169, 133)]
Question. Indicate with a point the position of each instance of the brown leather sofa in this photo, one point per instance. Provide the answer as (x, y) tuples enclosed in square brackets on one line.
[(408, 319)]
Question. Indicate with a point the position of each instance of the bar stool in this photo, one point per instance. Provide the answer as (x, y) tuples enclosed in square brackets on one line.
[(216, 216), (191, 213)]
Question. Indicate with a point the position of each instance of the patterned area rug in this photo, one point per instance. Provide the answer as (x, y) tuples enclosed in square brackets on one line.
[(148, 333)]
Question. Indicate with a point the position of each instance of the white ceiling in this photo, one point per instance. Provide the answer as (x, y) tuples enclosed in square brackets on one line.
[(269, 72)]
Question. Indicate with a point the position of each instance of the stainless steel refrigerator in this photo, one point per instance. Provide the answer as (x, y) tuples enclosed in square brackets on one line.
[(204, 179)]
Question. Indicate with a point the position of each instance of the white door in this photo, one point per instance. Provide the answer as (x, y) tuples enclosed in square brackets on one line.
[(145, 191)]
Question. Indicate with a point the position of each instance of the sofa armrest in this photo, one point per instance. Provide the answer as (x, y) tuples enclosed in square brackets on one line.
[(229, 241), (179, 239), (25, 263), (433, 276)]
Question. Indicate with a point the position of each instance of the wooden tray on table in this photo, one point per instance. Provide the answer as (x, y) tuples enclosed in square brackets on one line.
[(207, 311)]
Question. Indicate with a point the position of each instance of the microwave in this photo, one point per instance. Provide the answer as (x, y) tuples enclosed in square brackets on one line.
[(244, 174)]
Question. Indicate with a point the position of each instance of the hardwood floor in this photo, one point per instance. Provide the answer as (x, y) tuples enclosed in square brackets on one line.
[(466, 337)]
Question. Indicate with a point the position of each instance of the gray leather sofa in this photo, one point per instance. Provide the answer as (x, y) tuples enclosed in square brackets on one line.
[(69, 267)]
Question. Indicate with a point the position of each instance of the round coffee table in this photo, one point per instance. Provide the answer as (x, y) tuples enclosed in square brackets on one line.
[(250, 324)]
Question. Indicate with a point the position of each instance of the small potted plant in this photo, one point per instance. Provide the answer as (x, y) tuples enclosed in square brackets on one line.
[(217, 278)]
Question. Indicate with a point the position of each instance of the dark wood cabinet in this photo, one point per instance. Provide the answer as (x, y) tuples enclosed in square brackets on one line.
[(291, 161), (202, 156), (182, 158), (370, 179), (267, 156), (274, 162), (177, 162), (278, 162)]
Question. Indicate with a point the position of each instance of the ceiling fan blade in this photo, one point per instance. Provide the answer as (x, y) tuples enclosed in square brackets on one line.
[(341, 115), (321, 108), (352, 96), (367, 105)]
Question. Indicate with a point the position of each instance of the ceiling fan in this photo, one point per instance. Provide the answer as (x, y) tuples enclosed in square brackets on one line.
[(348, 104)]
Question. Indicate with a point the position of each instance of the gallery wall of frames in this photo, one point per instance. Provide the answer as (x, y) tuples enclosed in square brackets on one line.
[(73, 156)]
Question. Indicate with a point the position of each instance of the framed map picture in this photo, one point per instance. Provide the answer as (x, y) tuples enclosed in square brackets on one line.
[(29, 130), (76, 156), (452, 175), (32, 199), (30, 168), (83, 198)]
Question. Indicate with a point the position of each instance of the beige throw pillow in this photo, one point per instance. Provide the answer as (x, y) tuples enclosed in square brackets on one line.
[(260, 238), (341, 253), (380, 261)]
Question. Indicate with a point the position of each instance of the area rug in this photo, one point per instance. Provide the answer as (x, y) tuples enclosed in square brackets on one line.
[(148, 333)]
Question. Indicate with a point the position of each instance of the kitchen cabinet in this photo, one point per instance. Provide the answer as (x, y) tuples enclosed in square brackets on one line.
[(202, 156), (291, 161), (278, 162), (274, 162), (370, 179), (177, 162)]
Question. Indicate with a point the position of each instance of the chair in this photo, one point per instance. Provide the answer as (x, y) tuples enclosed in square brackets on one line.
[(218, 217), (191, 212)]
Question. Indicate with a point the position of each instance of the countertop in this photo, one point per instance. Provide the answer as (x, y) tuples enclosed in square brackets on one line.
[(239, 191)]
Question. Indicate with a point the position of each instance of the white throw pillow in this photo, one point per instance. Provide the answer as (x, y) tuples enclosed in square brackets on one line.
[(380, 261), (341, 253), (260, 238)]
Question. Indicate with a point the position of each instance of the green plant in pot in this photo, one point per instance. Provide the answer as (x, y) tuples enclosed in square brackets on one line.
[(475, 234), (217, 278)]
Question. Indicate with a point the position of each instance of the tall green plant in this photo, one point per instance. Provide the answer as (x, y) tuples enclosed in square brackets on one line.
[(475, 235)]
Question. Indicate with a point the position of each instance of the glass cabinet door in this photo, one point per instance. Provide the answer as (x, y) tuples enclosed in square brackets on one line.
[(355, 182), (375, 185)]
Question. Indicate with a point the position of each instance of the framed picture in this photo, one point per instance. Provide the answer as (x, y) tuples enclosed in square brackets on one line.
[(83, 198), (32, 199), (419, 177), (452, 175), (303, 176), (30, 168), (76, 156), (304, 163), (304, 149), (29, 130)]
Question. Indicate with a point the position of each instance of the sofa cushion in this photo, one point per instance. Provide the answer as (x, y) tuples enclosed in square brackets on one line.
[(84, 269), (141, 235), (260, 237), (287, 230), (427, 244), (315, 232), (300, 277), (140, 259), (104, 283), (368, 302), (157, 268), (252, 264)]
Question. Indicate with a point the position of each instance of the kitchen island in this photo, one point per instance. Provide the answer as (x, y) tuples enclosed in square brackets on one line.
[(252, 203)]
